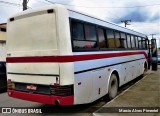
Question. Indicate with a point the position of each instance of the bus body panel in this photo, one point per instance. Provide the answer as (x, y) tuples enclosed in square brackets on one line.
[(33, 37), (33, 72), (83, 88), (64, 45), (92, 76), (45, 38), (66, 73)]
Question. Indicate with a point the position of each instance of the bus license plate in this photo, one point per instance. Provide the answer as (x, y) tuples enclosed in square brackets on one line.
[(31, 87)]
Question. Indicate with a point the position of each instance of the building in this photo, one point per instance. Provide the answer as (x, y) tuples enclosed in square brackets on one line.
[(3, 79), (3, 42)]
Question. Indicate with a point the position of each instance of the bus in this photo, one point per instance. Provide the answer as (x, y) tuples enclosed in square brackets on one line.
[(59, 56)]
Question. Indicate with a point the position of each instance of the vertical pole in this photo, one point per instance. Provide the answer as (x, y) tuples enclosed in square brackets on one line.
[(25, 4), (126, 22)]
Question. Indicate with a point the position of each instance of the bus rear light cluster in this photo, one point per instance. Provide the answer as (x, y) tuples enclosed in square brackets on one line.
[(62, 90), (9, 93), (56, 84), (10, 84)]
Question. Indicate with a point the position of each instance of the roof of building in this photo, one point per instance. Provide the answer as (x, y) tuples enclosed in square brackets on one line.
[(3, 25)]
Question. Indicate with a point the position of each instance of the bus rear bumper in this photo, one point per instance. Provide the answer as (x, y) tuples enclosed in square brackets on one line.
[(45, 99)]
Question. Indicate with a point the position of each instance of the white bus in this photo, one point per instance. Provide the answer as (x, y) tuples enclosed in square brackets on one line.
[(63, 57)]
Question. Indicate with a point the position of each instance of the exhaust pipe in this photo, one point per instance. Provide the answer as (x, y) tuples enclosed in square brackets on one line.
[(57, 102)]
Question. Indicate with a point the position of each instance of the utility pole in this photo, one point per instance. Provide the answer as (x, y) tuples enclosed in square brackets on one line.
[(126, 22), (152, 35), (25, 4)]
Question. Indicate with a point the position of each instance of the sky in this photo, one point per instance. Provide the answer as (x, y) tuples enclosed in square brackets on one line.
[(144, 14)]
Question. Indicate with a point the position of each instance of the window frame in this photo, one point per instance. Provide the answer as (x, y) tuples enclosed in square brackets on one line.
[(144, 40), (129, 40), (136, 42), (113, 38), (106, 39), (125, 39), (71, 29), (133, 41)]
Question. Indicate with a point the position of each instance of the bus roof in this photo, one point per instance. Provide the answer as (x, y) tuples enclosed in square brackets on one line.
[(84, 17), (92, 19)]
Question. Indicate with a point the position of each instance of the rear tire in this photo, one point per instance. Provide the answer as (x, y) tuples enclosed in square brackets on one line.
[(113, 87)]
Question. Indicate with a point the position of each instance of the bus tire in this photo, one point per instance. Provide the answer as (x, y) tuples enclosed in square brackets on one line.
[(113, 87)]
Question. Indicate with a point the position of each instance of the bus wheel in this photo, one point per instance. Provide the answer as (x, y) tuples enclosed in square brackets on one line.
[(113, 87)]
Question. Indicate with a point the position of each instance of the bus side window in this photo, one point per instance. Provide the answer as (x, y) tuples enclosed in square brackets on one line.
[(144, 43), (140, 42), (117, 40), (110, 38), (133, 41), (83, 36), (136, 39), (101, 38), (90, 35), (129, 41), (90, 32), (77, 31), (123, 40)]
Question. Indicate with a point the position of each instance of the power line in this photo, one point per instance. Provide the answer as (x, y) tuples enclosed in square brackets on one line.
[(53, 2), (12, 4), (117, 18), (146, 26), (9, 3), (43, 2), (104, 6), (5, 5)]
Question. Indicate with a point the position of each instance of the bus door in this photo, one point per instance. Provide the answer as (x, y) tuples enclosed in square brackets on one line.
[(154, 54)]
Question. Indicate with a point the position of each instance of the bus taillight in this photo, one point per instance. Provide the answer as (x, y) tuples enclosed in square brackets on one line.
[(10, 84)]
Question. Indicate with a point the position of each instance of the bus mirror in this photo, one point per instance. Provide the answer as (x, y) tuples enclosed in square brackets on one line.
[(154, 54), (149, 52)]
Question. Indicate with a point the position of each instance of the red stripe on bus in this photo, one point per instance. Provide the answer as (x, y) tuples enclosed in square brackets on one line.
[(71, 58)]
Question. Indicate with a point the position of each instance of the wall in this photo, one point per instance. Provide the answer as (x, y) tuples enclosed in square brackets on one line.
[(2, 46)]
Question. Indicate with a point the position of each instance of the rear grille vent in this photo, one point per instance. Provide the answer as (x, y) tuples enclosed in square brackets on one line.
[(62, 90)]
